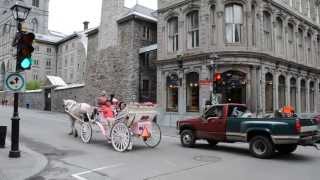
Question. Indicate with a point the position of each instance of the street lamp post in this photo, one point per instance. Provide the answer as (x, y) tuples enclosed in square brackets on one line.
[(20, 14)]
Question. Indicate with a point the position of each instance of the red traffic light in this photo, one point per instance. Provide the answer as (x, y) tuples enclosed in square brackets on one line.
[(217, 77)]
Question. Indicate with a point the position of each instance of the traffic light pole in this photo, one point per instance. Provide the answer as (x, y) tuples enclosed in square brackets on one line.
[(15, 120)]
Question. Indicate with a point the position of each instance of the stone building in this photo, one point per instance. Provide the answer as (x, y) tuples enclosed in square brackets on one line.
[(37, 22), (267, 52), (55, 53), (121, 53)]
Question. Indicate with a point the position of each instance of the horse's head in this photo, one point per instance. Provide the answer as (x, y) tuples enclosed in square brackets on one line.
[(67, 104)]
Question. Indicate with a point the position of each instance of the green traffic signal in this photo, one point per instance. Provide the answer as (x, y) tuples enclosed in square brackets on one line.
[(26, 63)]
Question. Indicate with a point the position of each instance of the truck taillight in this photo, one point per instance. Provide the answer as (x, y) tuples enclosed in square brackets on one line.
[(298, 126)]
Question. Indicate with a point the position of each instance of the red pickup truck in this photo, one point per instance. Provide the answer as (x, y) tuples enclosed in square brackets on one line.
[(227, 123)]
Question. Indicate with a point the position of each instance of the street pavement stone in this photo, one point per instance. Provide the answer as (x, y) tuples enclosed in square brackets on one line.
[(29, 164)]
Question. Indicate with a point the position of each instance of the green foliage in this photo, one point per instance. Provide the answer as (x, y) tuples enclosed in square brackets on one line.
[(33, 85)]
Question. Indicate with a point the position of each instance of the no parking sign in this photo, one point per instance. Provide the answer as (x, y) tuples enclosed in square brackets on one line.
[(15, 82)]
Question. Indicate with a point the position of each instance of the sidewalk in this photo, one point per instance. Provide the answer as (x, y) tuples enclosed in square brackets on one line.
[(29, 164)]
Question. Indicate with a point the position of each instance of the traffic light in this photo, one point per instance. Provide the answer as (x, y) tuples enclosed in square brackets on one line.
[(217, 83), (25, 50)]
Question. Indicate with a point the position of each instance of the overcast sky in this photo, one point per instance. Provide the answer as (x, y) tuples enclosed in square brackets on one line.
[(66, 16)]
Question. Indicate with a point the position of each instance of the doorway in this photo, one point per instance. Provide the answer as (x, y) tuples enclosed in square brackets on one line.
[(47, 98), (234, 87)]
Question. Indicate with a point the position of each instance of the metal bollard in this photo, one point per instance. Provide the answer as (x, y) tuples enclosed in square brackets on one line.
[(3, 134)]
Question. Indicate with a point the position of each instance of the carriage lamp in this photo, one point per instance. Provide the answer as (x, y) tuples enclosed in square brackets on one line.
[(20, 12)]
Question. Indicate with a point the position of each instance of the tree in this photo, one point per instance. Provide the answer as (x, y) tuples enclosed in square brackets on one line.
[(33, 85)]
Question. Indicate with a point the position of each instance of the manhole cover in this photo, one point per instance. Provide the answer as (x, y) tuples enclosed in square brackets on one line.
[(207, 158)]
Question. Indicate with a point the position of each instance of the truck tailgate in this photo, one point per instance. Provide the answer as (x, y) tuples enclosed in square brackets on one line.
[(309, 127)]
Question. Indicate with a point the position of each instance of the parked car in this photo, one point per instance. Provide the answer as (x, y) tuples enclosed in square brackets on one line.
[(224, 123)]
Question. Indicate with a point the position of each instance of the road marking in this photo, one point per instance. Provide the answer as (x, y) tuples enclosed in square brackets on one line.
[(78, 175)]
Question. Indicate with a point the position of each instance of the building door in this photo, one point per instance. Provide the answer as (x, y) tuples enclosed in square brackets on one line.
[(47, 98), (234, 87)]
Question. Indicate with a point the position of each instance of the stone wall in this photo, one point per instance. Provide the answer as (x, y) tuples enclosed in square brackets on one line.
[(59, 95)]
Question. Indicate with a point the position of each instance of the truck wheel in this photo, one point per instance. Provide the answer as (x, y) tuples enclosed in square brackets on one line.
[(187, 138), (261, 147), (286, 148), (212, 142)]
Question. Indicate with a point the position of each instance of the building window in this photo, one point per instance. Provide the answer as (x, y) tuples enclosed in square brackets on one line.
[(293, 93), (282, 91), (253, 18), (299, 5), (35, 3), (312, 97), (291, 41), (49, 50), (193, 29), (309, 50), (213, 24), (192, 83), (303, 96), (233, 23), (267, 30), (290, 3), (48, 63), (317, 14), (300, 45), (145, 90), (35, 25), (145, 59), (172, 93), (318, 50), (308, 9), (36, 48), (279, 36), (173, 42), (269, 93), (66, 47), (147, 33), (65, 61)]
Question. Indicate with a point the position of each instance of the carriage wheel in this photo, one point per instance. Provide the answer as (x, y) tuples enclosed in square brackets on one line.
[(155, 138), (86, 132), (120, 137)]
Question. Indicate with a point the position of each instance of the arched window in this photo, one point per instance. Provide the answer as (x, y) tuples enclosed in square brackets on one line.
[(291, 50), (312, 97), (233, 23), (279, 35), (173, 35), (300, 45), (192, 83), (303, 96), (172, 93), (269, 93), (35, 25), (282, 91), (267, 30), (193, 29), (293, 92)]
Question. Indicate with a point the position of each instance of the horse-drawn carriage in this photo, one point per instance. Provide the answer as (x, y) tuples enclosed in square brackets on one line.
[(135, 121)]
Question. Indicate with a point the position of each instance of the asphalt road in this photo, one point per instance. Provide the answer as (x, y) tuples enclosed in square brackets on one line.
[(69, 158)]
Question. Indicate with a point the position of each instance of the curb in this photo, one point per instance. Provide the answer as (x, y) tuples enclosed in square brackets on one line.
[(40, 159)]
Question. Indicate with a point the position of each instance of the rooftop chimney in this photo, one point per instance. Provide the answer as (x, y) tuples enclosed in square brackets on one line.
[(86, 25)]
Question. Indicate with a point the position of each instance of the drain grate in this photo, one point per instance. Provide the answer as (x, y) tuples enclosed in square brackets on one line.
[(212, 159)]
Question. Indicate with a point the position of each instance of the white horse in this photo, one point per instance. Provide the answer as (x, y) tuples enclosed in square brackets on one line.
[(78, 110)]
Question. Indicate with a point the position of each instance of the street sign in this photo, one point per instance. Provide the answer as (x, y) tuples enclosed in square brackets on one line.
[(15, 82)]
